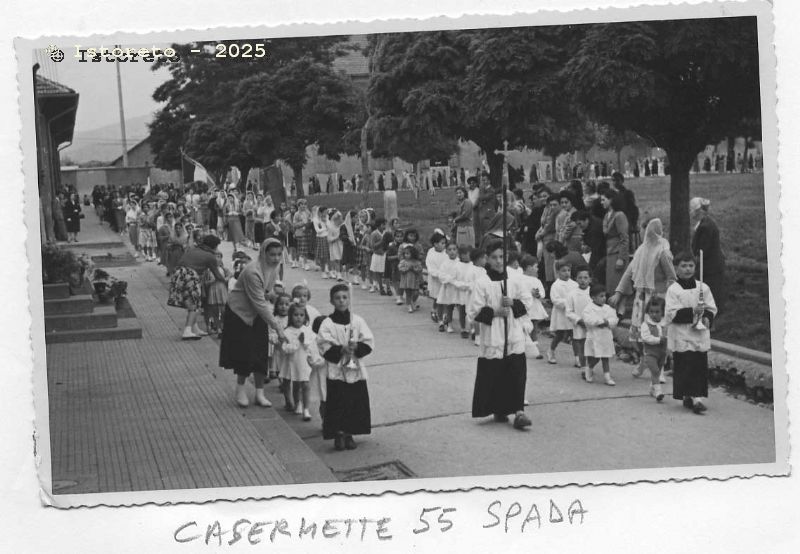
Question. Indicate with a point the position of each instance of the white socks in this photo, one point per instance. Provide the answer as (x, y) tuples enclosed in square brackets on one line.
[(261, 400), (241, 396)]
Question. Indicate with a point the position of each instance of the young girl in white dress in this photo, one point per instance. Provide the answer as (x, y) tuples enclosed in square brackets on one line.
[(560, 291), (448, 292), (278, 367), (433, 261), (600, 319), (296, 354), (576, 303), (335, 245)]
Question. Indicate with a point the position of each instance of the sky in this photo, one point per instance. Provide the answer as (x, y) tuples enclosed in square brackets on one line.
[(97, 85)]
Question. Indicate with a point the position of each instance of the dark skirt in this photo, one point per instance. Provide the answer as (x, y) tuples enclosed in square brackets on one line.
[(259, 232), (689, 374), (499, 386), (185, 288), (322, 254), (303, 246), (346, 409), (243, 348), (348, 254)]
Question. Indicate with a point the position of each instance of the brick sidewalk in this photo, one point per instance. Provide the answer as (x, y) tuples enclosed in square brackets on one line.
[(158, 414)]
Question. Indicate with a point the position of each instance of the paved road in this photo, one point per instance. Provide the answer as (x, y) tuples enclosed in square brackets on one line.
[(421, 391)]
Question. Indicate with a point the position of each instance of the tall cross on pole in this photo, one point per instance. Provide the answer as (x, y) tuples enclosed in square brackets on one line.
[(504, 189)]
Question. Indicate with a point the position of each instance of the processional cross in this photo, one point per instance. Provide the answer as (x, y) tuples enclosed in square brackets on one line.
[(504, 189)]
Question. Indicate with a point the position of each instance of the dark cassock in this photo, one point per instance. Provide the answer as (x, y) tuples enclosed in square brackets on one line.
[(502, 371)]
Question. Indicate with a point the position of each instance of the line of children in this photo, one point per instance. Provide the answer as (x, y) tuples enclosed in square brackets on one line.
[(410, 269), (576, 304)]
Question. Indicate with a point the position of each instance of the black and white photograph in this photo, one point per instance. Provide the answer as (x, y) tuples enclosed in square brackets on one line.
[(401, 256)]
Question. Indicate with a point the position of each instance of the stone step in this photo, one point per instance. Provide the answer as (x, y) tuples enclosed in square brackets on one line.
[(103, 317), (93, 244), (125, 329), (55, 290), (78, 304)]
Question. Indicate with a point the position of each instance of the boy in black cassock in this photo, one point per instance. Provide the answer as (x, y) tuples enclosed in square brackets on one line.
[(344, 340)]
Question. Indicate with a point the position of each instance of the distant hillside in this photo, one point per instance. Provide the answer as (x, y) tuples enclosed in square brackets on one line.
[(105, 143)]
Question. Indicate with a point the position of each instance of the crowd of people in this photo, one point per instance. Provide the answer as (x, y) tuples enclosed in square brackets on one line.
[(574, 263)]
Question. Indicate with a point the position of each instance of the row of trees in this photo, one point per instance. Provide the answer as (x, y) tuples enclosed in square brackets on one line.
[(677, 84)]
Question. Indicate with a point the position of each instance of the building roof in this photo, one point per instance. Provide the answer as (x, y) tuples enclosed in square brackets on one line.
[(118, 159), (46, 87)]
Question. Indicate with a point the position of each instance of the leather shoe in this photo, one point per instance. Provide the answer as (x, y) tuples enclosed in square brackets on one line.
[(522, 421), (349, 443), (338, 442)]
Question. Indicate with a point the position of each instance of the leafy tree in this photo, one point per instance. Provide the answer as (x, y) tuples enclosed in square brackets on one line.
[(302, 104), (609, 138), (200, 94), (487, 86), (683, 84)]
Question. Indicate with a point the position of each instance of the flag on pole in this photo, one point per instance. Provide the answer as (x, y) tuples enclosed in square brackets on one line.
[(200, 173)]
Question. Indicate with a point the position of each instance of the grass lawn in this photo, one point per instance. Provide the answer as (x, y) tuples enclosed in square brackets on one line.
[(737, 205)]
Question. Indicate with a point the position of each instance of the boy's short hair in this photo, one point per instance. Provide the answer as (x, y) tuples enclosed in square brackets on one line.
[(597, 289), (464, 249), (297, 289), (339, 287), (560, 264), (684, 256), (527, 261), (476, 254), (513, 256), (380, 221), (578, 269), (655, 301)]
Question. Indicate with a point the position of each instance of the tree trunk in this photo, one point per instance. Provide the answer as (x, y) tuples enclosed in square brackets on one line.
[(680, 159), (243, 184), (495, 162), (365, 172), (297, 169)]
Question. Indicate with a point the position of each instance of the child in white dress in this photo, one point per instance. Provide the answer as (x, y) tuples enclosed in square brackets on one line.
[(448, 292), (560, 291), (530, 269), (464, 286), (277, 369), (576, 303), (296, 356), (433, 261), (600, 319)]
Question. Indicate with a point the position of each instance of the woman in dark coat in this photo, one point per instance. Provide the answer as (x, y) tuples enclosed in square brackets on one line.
[(72, 217), (706, 238)]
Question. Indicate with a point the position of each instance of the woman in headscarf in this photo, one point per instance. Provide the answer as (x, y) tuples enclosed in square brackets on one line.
[(302, 235), (465, 230), (546, 234), (649, 274), (186, 285), (234, 223), (706, 238), (244, 347), (249, 210), (615, 229)]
